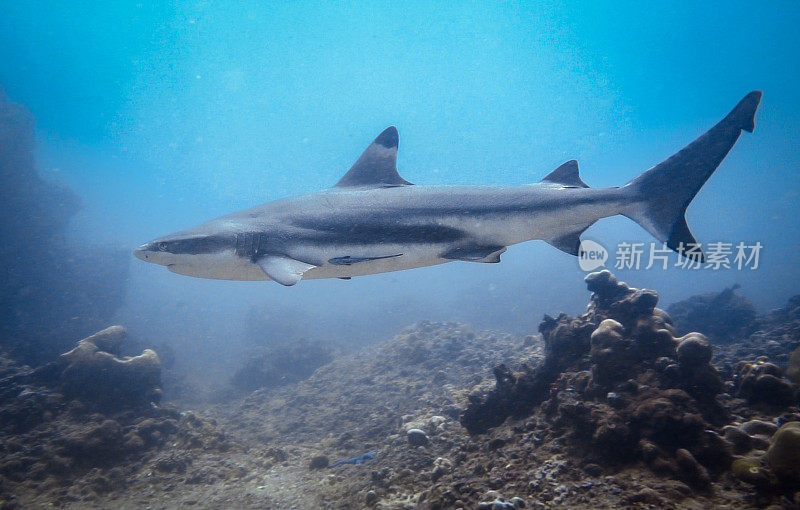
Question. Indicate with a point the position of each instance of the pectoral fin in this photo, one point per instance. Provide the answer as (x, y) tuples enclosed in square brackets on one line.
[(283, 270), (475, 253), (569, 242)]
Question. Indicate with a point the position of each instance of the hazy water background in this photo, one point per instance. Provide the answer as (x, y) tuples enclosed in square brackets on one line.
[(161, 117)]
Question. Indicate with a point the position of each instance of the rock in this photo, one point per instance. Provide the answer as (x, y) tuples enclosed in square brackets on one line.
[(497, 442), (612, 353), (647, 496), (109, 340), (435, 423), (691, 471), (492, 494), (51, 289), (281, 364), (441, 467), (783, 456), (605, 285), (497, 504), (172, 463), (759, 443), (739, 439), (417, 437), (773, 390), (370, 498), (724, 316), (750, 471), (754, 427), (793, 371), (615, 400), (607, 333), (694, 350), (593, 469), (99, 377), (762, 382), (319, 462)]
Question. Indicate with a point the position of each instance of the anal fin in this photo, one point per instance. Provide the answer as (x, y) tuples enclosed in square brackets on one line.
[(284, 270), (475, 253)]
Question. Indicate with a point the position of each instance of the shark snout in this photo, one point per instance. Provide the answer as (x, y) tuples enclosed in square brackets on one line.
[(153, 251), (141, 252)]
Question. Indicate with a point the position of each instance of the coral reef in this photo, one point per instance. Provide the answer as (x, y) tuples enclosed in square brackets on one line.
[(93, 373), (618, 386), (610, 409), (783, 456), (565, 341), (775, 335), (84, 426), (775, 471), (762, 383), (623, 336), (722, 316), (49, 294)]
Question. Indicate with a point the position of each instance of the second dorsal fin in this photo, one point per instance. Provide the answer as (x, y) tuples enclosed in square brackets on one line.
[(377, 166), (566, 175)]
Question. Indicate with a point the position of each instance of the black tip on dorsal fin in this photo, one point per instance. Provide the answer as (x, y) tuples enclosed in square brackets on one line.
[(377, 166), (566, 175), (388, 138), (743, 114)]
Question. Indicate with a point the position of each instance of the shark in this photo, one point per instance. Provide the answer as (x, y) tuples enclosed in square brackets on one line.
[(374, 221)]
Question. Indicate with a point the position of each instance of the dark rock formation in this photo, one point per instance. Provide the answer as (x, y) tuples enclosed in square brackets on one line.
[(566, 341), (776, 472), (621, 336), (49, 294), (95, 373), (620, 386), (722, 316), (762, 383), (281, 364)]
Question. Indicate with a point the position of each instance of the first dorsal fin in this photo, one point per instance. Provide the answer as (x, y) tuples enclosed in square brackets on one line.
[(377, 166), (566, 175)]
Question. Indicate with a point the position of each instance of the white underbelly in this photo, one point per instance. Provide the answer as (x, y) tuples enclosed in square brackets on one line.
[(218, 266), (227, 266), (389, 258)]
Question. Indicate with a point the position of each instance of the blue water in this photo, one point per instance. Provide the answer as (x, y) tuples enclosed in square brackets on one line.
[(161, 117)]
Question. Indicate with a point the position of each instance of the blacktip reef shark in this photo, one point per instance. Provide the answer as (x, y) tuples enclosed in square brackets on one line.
[(374, 221)]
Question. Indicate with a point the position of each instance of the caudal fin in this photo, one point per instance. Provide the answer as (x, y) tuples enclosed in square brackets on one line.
[(660, 196)]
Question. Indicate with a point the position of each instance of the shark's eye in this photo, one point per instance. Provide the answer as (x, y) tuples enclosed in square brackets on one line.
[(162, 246)]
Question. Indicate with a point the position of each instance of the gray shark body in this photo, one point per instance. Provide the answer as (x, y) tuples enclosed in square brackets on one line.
[(374, 221)]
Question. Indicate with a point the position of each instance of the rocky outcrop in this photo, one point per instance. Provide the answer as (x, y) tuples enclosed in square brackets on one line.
[(621, 337), (723, 316), (49, 293), (621, 386), (95, 373), (81, 426), (281, 364)]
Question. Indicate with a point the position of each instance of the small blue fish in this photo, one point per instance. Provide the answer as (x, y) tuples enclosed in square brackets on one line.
[(360, 459)]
